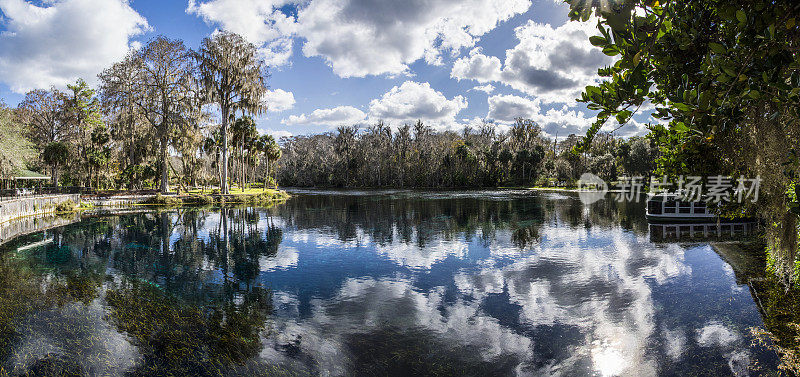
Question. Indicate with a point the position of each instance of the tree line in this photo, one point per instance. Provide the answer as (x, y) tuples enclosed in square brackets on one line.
[(169, 115), (418, 156), (152, 117)]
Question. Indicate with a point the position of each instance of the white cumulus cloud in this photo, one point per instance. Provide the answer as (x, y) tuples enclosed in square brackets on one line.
[(278, 100), (277, 134), (337, 116), (61, 41), (554, 121), (412, 100), (362, 37), (563, 121), (506, 108), (488, 88), (372, 37), (259, 21), (477, 66), (553, 64)]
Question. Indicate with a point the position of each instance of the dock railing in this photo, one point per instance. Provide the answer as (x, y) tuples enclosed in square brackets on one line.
[(17, 193)]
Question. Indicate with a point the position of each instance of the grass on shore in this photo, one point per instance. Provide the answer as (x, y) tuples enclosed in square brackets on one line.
[(233, 191), (256, 196)]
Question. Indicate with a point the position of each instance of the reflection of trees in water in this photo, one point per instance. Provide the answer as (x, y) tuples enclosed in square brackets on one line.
[(187, 255), (247, 242), (186, 292), (414, 220), (183, 250), (610, 213), (407, 220)]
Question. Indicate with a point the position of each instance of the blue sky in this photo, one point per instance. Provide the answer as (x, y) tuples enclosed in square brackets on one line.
[(450, 63)]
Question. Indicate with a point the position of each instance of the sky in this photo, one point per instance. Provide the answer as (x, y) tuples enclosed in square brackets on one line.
[(450, 63)]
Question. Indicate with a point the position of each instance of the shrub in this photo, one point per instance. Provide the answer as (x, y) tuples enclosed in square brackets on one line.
[(161, 200), (268, 197), (197, 199), (66, 206)]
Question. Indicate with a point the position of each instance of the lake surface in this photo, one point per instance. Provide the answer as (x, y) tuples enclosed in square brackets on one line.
[(379, 283)]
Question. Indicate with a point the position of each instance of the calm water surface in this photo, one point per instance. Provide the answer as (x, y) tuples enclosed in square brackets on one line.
[(378, 283)]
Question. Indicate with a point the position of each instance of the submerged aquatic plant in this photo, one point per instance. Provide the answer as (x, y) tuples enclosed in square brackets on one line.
[(780, 310), (789, 355), (180, 338)]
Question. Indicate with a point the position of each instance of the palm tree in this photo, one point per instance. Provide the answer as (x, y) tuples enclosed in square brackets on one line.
[(243, 132), (272, 152), (234, 79), (211, 147)]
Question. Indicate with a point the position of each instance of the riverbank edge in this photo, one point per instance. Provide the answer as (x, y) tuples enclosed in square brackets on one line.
[(110, 205), (267, 197), (38, 206), (458, 189)]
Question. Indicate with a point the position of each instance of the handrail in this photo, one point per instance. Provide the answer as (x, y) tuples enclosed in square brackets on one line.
[(12, 194)]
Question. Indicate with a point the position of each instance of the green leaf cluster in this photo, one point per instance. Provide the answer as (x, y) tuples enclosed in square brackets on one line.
[(703, 64), (724, 79)]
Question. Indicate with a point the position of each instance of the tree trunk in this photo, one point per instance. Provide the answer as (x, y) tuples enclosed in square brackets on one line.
[(219, 169), (253, 172), (266, 175), (164, 171), (227, 243), (224, 184), (274, 173)]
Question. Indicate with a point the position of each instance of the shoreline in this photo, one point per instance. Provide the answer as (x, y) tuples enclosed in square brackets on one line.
[(110, 205), (444, 190)]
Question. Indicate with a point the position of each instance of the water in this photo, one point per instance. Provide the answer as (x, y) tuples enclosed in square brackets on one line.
[(379, 283)]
